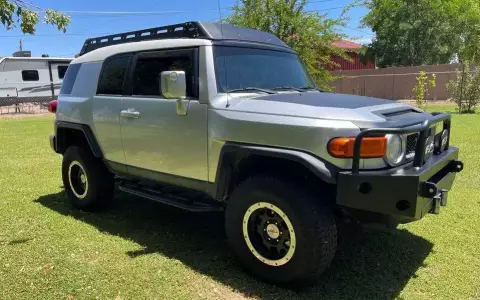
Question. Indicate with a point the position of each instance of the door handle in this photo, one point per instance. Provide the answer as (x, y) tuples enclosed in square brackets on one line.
[(130, 113)]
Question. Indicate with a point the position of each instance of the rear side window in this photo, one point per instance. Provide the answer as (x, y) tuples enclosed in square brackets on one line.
[(113, 76), (61, 71), (30, 75), (69, 79)]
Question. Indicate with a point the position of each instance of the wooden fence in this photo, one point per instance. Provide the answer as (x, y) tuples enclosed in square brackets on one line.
[(394, 83)]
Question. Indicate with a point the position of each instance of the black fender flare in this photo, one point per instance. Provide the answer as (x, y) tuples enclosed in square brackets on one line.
[(231, 152), (60, 143)]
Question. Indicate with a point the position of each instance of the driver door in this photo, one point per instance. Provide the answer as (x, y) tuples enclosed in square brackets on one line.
[(157, 139)]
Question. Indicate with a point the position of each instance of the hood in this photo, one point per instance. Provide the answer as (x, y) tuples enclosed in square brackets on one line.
[(365, 112)]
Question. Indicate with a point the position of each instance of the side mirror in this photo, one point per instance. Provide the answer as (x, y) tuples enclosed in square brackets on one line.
[(173, 84)]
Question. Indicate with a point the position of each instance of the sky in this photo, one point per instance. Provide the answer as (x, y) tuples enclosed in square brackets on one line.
[(90, 18)]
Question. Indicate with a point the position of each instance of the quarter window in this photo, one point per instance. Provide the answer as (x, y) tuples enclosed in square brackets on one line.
[(69, 80), (113, 76), (146, 77), (30, 75)]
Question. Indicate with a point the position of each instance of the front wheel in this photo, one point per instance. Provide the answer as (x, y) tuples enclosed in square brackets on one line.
[(281, 233), (88, 184)]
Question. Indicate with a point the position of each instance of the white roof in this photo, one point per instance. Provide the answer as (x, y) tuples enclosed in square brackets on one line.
[(65, 59), (102, 53)]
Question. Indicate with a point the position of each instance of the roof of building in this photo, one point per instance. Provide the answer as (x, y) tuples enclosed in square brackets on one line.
[(38, 58), (60, 59), (347, 45)]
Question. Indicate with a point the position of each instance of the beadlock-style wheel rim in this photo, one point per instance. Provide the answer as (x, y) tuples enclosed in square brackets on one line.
[(269, 234), (78, 180)]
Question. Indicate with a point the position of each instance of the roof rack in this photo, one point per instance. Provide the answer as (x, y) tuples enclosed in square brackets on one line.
[(183, 30), (202, 30)]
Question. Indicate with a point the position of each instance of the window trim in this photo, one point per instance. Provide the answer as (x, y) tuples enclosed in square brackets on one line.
[(192, 52), (38, 75), (125, 77)]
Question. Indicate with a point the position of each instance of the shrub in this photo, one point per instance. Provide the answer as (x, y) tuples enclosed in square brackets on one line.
[(424, 83), (465, 89)]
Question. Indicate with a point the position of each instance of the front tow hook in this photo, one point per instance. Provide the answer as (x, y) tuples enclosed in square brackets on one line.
[(440, 200)]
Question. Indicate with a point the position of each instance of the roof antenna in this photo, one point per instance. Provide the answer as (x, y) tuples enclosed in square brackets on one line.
[(224, 59), (221, 18)]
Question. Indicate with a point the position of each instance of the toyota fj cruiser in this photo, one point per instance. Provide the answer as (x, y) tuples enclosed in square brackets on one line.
[(210, 117)]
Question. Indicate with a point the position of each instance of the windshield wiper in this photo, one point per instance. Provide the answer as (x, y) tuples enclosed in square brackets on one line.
[(289, 88), (309, 87), (252, 89)]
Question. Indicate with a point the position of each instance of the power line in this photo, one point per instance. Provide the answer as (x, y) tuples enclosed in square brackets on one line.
[(25, 3), (369, 33), (159, 12), (319, 1), (130, 13), (53, 34), (326, 9), (143, 13)]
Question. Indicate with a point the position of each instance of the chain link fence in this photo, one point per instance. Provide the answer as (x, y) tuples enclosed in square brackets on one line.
[(24, 105)]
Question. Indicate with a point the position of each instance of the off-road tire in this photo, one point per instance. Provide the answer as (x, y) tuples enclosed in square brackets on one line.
[(100, 186), (313, 223)]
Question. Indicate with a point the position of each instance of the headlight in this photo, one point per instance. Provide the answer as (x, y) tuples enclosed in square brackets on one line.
[(395, 149), (441, 141), (444, 140)]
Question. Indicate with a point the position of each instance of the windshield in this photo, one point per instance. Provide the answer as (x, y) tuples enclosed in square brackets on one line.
[(242, 68)]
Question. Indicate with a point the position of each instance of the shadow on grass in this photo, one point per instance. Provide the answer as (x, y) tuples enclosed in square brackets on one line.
[(18, 241), (376, 265)]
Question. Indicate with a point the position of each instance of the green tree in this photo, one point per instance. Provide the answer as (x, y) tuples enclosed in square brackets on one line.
[(413, 32), (466, 14), (309, 33), (14, 12)]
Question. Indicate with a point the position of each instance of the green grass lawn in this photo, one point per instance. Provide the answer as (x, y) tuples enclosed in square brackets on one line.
[(144, 250)]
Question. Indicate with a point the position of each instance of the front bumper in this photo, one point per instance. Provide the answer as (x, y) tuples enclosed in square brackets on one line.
[(406, 193)]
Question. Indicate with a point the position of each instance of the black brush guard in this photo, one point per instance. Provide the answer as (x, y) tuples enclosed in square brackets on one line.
[(407, 192)]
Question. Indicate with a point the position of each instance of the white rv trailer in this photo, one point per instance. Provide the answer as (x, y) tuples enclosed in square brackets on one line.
[(30, 79)]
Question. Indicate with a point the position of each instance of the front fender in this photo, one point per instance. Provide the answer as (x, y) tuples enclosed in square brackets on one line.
[(232, 153)]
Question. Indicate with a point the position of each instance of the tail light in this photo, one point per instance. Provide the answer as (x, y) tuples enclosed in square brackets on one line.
[(52, 106)]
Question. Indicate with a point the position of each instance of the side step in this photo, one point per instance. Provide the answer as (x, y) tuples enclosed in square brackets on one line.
[(193, 204)]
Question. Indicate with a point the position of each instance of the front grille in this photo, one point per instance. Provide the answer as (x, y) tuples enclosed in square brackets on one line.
[(411, 144)]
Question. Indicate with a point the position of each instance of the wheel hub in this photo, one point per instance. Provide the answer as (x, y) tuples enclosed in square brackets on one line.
[(78, 179), (272, 231)]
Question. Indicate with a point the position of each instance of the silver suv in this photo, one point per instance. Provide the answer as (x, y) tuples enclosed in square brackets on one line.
[(212, 117)]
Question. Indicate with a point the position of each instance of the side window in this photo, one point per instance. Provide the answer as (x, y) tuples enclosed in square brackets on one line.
[(113, 76), (69, 79), (146, 76), (30, 75), (61, 71)]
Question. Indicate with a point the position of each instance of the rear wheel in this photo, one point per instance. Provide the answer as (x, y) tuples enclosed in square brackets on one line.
[(88, 184), (280, 233)]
